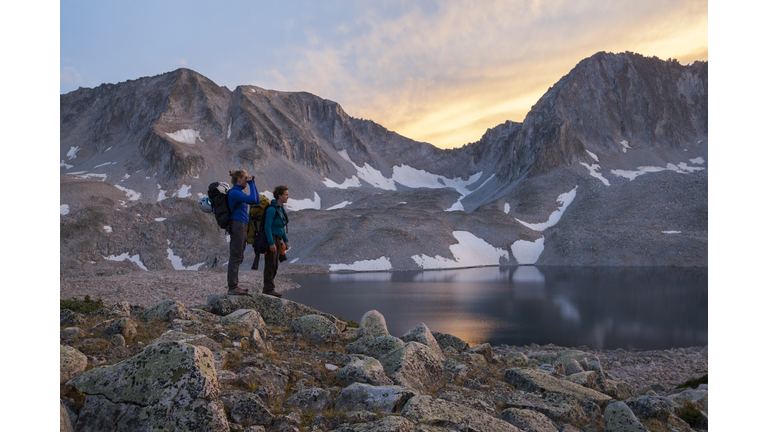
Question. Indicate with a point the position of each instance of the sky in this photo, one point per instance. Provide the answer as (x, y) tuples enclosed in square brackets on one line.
[(442, 72)]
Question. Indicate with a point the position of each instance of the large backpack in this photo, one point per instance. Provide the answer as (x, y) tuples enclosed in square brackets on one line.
[(256, 224), (218, 192)]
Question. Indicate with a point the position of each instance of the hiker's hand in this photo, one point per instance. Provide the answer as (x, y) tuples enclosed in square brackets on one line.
[(273, 248), (287, 246)]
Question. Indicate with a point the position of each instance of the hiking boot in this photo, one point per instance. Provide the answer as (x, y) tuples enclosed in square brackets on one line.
[(237, 291), (273, 293)]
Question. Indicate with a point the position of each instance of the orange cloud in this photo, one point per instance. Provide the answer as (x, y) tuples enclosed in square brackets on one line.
[(445, 76)]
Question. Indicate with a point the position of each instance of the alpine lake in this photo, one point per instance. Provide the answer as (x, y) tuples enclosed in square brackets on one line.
[(640, 308)]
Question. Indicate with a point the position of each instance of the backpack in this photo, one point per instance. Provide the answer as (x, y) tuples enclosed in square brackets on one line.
[(256, 223), (218, 192)]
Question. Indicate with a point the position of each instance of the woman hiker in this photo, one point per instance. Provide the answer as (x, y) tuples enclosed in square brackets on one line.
[(238, 204), (275, 220)]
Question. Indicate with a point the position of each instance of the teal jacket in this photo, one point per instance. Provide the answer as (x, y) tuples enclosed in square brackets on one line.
[(275, 223)]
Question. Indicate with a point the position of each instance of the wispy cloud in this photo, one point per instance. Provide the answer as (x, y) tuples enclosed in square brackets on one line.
[(70, 75), (445, 75)]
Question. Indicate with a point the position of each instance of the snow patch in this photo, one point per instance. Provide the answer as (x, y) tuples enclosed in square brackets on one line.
[(592, 155), (67, 166), (104, 164), (183, 192), (108, 229), (671, 232), (296, 205), (124, 257), (593, 172), (293, 261), (697, 161), (625, 146), (506, 208), (132, 194), (126, 177), (352, 182), (229, 128), (84, 175), (471, 251), (72, 153), (110, 148), (370, 174), (161, 195), (339, 206), (160, 219), (186, 136), (64, 209), (681, 168), (176, 261), (381, 264), (526, 252), (564, 200)]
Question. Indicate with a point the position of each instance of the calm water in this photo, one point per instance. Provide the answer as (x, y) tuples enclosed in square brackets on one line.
[(603, 307)]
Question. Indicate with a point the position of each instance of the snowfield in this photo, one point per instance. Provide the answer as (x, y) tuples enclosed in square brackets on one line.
[(186, 136), (526, 252), (564, 200), (471, 251), (381, 264), (124, 257)]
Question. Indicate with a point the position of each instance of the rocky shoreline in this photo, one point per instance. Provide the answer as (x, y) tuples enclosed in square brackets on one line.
[(306, 356)]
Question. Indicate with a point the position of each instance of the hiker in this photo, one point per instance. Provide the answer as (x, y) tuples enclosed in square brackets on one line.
[(238, 205), (275, 220)]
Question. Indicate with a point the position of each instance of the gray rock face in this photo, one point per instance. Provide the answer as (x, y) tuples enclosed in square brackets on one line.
[(535, 381), (445, 340), (422, 335), (649, 407), (271, 384), (483, 349), (273, 310), (372, 325), (699, 397), (527, 420), (386, 424), (375, 347), (71, 363), (314, 399), (454, 370), (168, 385), (66, 316), (573, 367), (429, 412), (619, 418), (246, 319), (366, 370), (249, 409), (125, 327), (318, 329), (587, 379), (415, 366), (378, 399), (558, 408), (166, 310), (197, 340), (65, 423)]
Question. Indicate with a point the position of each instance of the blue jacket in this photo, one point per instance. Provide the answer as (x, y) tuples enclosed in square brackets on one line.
[(236, 197), (274, 224)]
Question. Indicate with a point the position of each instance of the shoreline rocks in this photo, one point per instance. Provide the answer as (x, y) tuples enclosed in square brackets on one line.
[(196, 368)]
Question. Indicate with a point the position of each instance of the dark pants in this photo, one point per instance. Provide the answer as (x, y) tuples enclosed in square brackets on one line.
[(271, 262), (237, 237)]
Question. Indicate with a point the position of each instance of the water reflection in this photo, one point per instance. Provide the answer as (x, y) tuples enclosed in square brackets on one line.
[(646, 308)]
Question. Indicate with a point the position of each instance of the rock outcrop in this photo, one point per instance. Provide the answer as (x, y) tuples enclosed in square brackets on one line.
[(207, 378)]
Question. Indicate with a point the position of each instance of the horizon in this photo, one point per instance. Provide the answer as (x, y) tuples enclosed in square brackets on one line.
[(435, 72)]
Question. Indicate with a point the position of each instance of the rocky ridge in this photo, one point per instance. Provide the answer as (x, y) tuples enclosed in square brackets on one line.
[(627, 133), (266, 364)]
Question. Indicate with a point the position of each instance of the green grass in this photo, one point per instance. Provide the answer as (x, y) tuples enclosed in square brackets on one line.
[(693, 383), (82, 306)]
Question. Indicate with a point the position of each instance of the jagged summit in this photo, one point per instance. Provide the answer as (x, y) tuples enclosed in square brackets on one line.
[(611, 119)]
